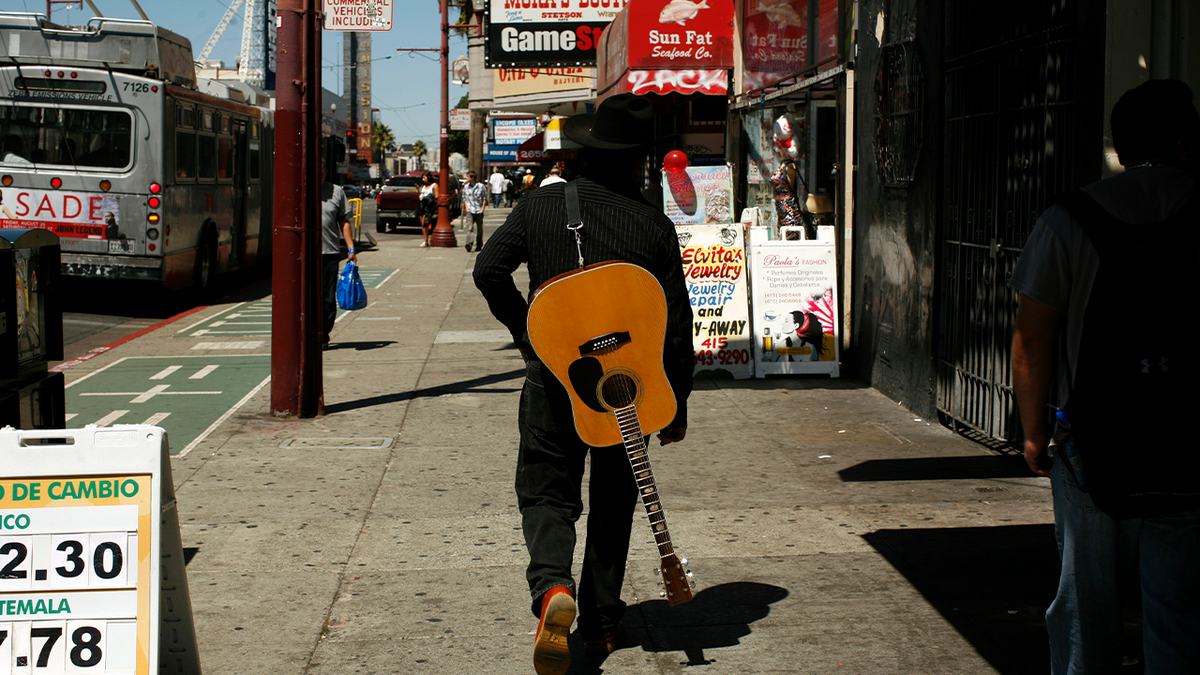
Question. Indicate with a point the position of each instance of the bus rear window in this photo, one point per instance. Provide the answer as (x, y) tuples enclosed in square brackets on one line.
[(72, 137)]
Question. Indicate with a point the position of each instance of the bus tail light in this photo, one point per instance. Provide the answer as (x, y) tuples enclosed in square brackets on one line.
[(56, 182), (154, 202), (153, 218), (151, 246), (155, 188), (7, 180), (105, 185), (152, 233)]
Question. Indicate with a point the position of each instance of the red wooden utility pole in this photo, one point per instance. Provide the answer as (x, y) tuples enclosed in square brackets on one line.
[(443, 233), (296, 386)]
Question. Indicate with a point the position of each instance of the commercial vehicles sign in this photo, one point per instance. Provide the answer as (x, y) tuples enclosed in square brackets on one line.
[(358, 15), (546, 33)]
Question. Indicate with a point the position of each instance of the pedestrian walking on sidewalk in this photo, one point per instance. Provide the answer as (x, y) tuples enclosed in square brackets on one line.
[(427, 208), (617, 225), (474, 200), (1071, 254), (510, 192), (335, 229), (555, 176), (496, 184)]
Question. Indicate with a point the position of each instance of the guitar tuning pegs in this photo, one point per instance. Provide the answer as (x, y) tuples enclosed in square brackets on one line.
[(683, 561), (689, 575), (657, 571), (662, 594)]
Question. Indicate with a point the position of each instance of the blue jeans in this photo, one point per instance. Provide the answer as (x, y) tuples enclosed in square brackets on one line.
[(1099, 555), (496, 199), (550, 464)]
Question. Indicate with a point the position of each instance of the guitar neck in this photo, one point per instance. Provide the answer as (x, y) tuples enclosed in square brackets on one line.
[(639, 459)]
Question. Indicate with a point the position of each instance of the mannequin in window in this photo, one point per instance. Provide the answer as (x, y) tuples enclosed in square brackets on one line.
[(788, 135)]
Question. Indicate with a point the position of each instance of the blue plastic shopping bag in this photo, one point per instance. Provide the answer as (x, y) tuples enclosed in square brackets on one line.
[(351, 294)]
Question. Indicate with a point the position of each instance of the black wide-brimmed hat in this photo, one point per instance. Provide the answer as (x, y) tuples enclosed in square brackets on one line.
[(623, 121)]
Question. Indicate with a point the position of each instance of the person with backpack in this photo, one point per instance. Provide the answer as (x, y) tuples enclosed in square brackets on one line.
[(1126, 489)]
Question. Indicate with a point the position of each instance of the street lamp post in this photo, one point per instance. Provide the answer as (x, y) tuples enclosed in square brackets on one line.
[(443, 233)]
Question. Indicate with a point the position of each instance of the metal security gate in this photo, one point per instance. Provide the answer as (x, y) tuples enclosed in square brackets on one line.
[(1016, 136)]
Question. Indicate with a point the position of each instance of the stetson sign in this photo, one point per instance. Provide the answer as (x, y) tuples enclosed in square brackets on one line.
[(546, 33)]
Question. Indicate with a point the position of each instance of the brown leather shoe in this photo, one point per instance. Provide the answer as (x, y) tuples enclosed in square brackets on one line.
[(551, 654), (604, 644)]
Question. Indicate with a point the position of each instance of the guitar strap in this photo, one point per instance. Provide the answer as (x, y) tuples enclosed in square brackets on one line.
[(574, 221)]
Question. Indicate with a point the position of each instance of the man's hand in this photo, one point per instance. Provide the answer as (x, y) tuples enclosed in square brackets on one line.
[(1036, 457), (671, 435)]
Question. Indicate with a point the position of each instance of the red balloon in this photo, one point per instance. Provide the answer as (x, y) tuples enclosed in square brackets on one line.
[(675, 161)]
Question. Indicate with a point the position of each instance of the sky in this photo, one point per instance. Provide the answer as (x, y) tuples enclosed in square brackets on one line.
[(404, 86)]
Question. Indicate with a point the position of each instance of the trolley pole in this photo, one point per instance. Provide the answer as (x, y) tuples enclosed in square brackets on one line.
[(443, 233), (296, 386)]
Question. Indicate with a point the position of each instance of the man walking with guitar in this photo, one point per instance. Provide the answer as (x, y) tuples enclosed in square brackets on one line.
[(556, 230)]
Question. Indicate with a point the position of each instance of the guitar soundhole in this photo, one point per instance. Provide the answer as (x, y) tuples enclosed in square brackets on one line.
[(619, 391)]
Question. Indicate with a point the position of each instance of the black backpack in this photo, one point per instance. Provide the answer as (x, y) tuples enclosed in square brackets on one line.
[(1137, 363)]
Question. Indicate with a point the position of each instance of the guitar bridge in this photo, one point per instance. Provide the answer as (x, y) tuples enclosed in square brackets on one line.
[(604, 343)]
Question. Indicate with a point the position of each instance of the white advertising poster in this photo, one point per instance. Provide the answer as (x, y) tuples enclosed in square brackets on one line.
[(794, 306), (714, 267), (76, 215), (698, 195), (460, 119), (358, 15), (513, 131)]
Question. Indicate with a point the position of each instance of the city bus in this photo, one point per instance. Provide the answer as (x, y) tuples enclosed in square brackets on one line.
[(144, 171)]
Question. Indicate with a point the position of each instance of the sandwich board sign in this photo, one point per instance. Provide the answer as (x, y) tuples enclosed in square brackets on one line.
[(91, 560)]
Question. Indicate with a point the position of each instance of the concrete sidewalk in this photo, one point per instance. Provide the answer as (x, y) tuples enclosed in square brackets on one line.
[(828, 529)]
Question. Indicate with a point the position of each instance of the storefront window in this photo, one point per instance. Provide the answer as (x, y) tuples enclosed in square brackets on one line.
[(775, 42), (761, 161), (827, 35), (783, 38)]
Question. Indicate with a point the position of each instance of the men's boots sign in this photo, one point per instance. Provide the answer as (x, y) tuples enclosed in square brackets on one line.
[(91, 562)]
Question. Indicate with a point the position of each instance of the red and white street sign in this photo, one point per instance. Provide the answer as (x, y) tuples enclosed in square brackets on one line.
[(358, 15)]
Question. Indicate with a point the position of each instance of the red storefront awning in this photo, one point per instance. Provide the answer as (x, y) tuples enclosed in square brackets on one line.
[(664, 46)]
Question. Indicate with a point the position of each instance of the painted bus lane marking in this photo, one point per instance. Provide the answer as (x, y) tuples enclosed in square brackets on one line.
[(188, 395)]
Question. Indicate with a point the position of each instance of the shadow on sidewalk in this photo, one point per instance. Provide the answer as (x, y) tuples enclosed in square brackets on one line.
[(718, 616), (453, 388), (359, 346), (992, 584), (937, 468)]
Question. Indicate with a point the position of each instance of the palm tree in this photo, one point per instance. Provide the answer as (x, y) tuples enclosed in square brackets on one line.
[(382, 139), (419, 151)]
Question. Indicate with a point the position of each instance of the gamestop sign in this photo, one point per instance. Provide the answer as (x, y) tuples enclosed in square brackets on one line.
[(546, 33)]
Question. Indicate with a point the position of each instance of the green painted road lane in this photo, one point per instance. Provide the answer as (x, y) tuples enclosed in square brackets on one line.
[(254, 318), (186, 395)]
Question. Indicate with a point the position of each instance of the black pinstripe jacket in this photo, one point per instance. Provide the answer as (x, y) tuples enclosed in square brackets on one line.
[(615, 227)]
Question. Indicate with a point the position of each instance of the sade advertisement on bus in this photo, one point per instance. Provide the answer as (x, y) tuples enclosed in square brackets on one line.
[(77, 215)]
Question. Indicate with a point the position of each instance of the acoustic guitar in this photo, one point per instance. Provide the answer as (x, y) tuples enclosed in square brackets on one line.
[(600, 331)]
